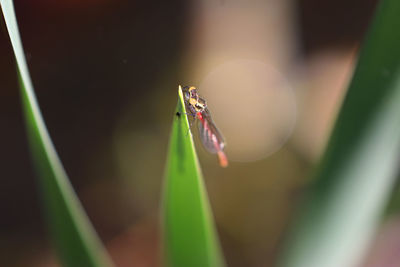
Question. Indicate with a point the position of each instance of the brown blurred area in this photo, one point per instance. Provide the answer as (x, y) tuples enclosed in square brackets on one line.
[(106, 76)]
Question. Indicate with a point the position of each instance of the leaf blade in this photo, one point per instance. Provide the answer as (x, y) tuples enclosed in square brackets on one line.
[(77, 243), (355, 176), (189, 235)]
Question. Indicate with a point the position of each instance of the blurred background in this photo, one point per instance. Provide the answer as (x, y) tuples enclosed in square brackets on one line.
[(106, 75)]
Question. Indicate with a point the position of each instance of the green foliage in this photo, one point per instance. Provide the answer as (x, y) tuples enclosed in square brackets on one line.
[(189, 234), (75, 239), (337, 219), (358, 170)]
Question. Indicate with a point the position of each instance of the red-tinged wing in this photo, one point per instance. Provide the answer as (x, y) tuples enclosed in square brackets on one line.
[(210, 136)]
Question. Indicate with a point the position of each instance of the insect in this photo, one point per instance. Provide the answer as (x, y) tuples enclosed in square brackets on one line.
[(210, 136)]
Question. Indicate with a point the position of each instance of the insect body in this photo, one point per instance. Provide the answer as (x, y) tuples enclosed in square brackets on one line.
[(209, 134)]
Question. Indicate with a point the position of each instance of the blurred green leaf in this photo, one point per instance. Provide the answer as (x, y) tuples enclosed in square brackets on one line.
[(189, 235), (393, 206), (77, 243), (356, 175)]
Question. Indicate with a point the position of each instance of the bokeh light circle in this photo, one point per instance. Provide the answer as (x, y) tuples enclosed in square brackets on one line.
[(253, 105)]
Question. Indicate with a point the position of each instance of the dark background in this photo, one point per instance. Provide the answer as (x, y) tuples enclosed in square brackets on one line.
[(90, 61)]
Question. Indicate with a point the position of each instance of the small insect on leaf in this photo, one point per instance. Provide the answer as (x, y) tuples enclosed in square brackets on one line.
[(210, 136)]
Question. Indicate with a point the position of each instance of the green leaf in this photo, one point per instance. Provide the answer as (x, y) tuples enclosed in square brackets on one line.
[(76, 241), (189, 234), (357, 173)]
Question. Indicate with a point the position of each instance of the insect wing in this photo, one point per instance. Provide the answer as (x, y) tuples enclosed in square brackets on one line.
[(209, 134)]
